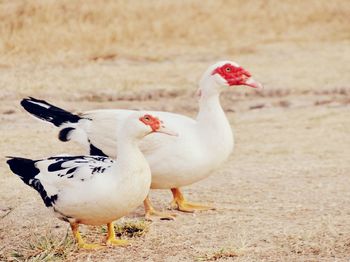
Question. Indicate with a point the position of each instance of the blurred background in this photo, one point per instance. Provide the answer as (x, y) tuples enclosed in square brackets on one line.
[(52, 48)]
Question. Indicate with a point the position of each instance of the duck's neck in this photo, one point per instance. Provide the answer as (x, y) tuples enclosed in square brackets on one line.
[(213, 125), (210, 109), (130, 158)]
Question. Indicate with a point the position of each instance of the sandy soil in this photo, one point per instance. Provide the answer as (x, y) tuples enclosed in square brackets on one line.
[(282, 196)]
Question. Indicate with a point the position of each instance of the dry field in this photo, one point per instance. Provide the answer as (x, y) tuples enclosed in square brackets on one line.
[(284, 194)]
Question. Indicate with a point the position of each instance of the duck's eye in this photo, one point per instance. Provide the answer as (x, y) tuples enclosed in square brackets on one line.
[(147, 118), (228, 69)]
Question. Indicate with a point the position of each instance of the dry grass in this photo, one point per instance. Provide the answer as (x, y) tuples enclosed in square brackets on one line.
[(43, 248), (130, 228), (115, 49), (154, 30), (52, 247), (222, 254)]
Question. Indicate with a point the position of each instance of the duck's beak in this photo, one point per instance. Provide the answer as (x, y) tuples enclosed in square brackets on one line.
[(163, 129), (252, 83)]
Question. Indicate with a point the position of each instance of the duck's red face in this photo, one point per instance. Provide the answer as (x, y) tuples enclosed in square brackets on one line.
[(156, 125), (151, 121), (236, 75)]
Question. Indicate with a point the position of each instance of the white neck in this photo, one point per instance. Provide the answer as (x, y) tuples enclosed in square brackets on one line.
[(210, 110), (212, 123), (129, 155)]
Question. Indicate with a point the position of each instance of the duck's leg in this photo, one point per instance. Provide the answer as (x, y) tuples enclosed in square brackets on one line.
[(150, 211), (180, 203), (80, 240), (111, 240)]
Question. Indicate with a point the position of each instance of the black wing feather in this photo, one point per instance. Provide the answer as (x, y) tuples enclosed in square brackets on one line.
[(27, 171), (48, 112)]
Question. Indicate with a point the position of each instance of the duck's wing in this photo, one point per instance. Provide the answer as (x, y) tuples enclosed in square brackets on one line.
[(97, 131), (94, 130), (52, 175)]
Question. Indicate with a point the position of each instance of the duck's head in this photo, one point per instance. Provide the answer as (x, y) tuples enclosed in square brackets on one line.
[(142, 124), (225, 74)]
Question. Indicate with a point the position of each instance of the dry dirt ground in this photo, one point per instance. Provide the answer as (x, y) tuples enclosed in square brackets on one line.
[(283, 195)]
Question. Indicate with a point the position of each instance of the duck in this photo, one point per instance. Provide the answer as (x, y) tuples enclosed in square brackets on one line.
[(95, 190), (203, 144)]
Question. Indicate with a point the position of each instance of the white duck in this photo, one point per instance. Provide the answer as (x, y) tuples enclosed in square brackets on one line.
[(94, 190), (203, 144)]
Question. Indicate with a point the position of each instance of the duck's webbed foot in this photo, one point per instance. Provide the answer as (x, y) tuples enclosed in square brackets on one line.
[(150, 212), (181, 204)]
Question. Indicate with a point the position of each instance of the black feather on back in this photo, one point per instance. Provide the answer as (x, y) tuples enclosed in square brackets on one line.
[(94, 151), (97, 165), (63, 134), (27, 171), (61, 166), (45, 111)]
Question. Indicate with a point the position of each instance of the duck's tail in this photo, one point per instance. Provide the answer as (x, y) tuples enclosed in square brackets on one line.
[(27, 171), (66, 121), (48, 112), (24, 168)]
